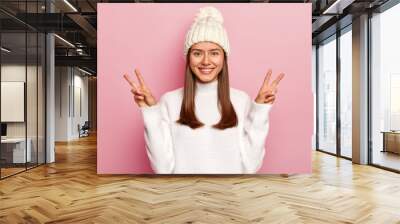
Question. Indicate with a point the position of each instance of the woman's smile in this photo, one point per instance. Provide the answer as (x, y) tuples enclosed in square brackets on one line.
[(206, 71)]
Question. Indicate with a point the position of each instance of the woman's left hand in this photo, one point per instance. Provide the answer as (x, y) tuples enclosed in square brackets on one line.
[(267, 91)]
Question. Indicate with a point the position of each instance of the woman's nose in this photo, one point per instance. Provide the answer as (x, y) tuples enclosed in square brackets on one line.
[(206, 60)]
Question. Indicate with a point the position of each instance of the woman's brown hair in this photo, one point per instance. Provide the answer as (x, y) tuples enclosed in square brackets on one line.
[(228, 114)]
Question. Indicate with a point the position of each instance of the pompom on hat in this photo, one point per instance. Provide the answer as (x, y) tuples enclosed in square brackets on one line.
[(207, 26)]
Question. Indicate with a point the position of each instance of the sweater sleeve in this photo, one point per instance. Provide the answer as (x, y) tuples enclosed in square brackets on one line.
[(255, 131), (158, 138)]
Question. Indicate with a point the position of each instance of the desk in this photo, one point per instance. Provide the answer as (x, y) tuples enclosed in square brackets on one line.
[(15, 148), (391, 141)]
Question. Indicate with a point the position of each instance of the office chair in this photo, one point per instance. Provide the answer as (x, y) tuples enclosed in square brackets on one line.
[(84, 130)]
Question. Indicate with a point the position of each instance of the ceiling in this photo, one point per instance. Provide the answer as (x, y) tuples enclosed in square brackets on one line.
[(76, 22)]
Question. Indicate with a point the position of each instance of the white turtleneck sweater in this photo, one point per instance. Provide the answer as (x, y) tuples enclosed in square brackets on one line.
[(173, 148)]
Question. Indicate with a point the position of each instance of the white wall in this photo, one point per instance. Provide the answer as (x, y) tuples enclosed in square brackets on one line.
[(71, 92), (12, 101), (62, 81), (81, 100)]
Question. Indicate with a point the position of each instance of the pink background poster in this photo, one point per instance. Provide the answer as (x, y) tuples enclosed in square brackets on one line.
[(150, 37)]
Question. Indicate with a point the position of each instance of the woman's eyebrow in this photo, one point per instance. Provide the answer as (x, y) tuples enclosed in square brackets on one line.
[(215, 49)]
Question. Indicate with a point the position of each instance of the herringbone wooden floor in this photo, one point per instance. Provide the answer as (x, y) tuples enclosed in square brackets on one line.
[(70, 191)]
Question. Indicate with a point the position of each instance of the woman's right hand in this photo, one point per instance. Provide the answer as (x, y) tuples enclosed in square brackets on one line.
[(141, 93)]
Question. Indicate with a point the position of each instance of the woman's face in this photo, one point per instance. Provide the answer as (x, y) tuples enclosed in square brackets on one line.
[(206, 60)]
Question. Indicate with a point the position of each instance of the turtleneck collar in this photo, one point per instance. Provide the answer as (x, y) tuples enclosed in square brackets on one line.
[(210, 87)]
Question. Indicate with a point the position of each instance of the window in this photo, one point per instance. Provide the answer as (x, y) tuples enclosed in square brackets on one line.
[(327, 95), (346, 92), (385, 88)]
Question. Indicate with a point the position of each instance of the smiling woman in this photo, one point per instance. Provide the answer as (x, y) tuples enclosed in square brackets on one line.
[(206, 127), (206, 61)]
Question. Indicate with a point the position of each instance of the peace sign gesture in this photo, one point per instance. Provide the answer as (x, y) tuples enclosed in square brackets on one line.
[(141, 93), (267, 91)]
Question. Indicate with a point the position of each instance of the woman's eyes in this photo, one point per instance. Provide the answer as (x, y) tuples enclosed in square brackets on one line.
[(214, 53)]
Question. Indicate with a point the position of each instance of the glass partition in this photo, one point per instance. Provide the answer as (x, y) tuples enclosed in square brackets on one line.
[(22, 77), (13, 109), (41, 87), (32, 95)]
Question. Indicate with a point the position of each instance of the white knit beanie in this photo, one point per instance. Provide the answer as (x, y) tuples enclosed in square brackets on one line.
[(207, 26)]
